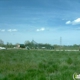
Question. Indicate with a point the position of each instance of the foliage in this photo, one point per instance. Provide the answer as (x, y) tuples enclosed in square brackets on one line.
[(1, 43), (9, 45), (34, 45)]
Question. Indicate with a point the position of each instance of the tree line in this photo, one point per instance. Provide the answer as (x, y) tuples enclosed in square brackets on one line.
[(34, 45), (31, 44)]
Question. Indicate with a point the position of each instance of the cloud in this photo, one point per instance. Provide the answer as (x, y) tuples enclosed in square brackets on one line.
[(9, 30), (41, 29), (77, 21), (2, 30), (74, 22), (68, 22), (12, 30)]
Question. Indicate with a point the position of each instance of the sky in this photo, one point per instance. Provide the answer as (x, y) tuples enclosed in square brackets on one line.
[(44, 21)]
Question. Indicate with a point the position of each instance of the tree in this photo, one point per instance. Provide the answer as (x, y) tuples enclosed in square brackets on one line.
[(27, 43), (9, 45), (1, 43), (32, 44), (48, 46), (56, 46), (75, 45)]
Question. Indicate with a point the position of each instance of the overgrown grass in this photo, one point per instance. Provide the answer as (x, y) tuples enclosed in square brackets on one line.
[(38, 65)]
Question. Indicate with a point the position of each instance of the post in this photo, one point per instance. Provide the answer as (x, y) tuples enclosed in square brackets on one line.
[(60, 43)]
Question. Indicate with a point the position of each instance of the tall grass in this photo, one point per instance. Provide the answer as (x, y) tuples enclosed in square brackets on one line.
[(38, 65)]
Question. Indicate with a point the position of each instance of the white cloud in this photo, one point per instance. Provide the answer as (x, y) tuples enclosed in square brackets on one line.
[(77, 21), (2, 30), (74, 22), (37, 30), (12, 30), (41, 29), (68, 22)]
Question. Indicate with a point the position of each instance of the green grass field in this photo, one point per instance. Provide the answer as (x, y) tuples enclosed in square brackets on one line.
[(38, 65)]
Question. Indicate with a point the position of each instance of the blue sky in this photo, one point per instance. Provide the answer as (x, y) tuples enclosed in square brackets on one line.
[(45, 21)]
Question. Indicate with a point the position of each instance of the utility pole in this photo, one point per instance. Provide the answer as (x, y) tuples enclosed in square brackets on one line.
[(60, 42)]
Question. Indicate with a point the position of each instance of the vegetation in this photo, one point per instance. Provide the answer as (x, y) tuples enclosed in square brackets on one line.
[(38, 64), (34, 45)]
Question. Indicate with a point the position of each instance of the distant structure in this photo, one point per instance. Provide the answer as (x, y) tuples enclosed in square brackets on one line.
[(21, 46)]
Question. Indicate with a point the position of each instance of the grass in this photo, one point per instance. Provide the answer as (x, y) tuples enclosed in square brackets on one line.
[(38, 65)]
